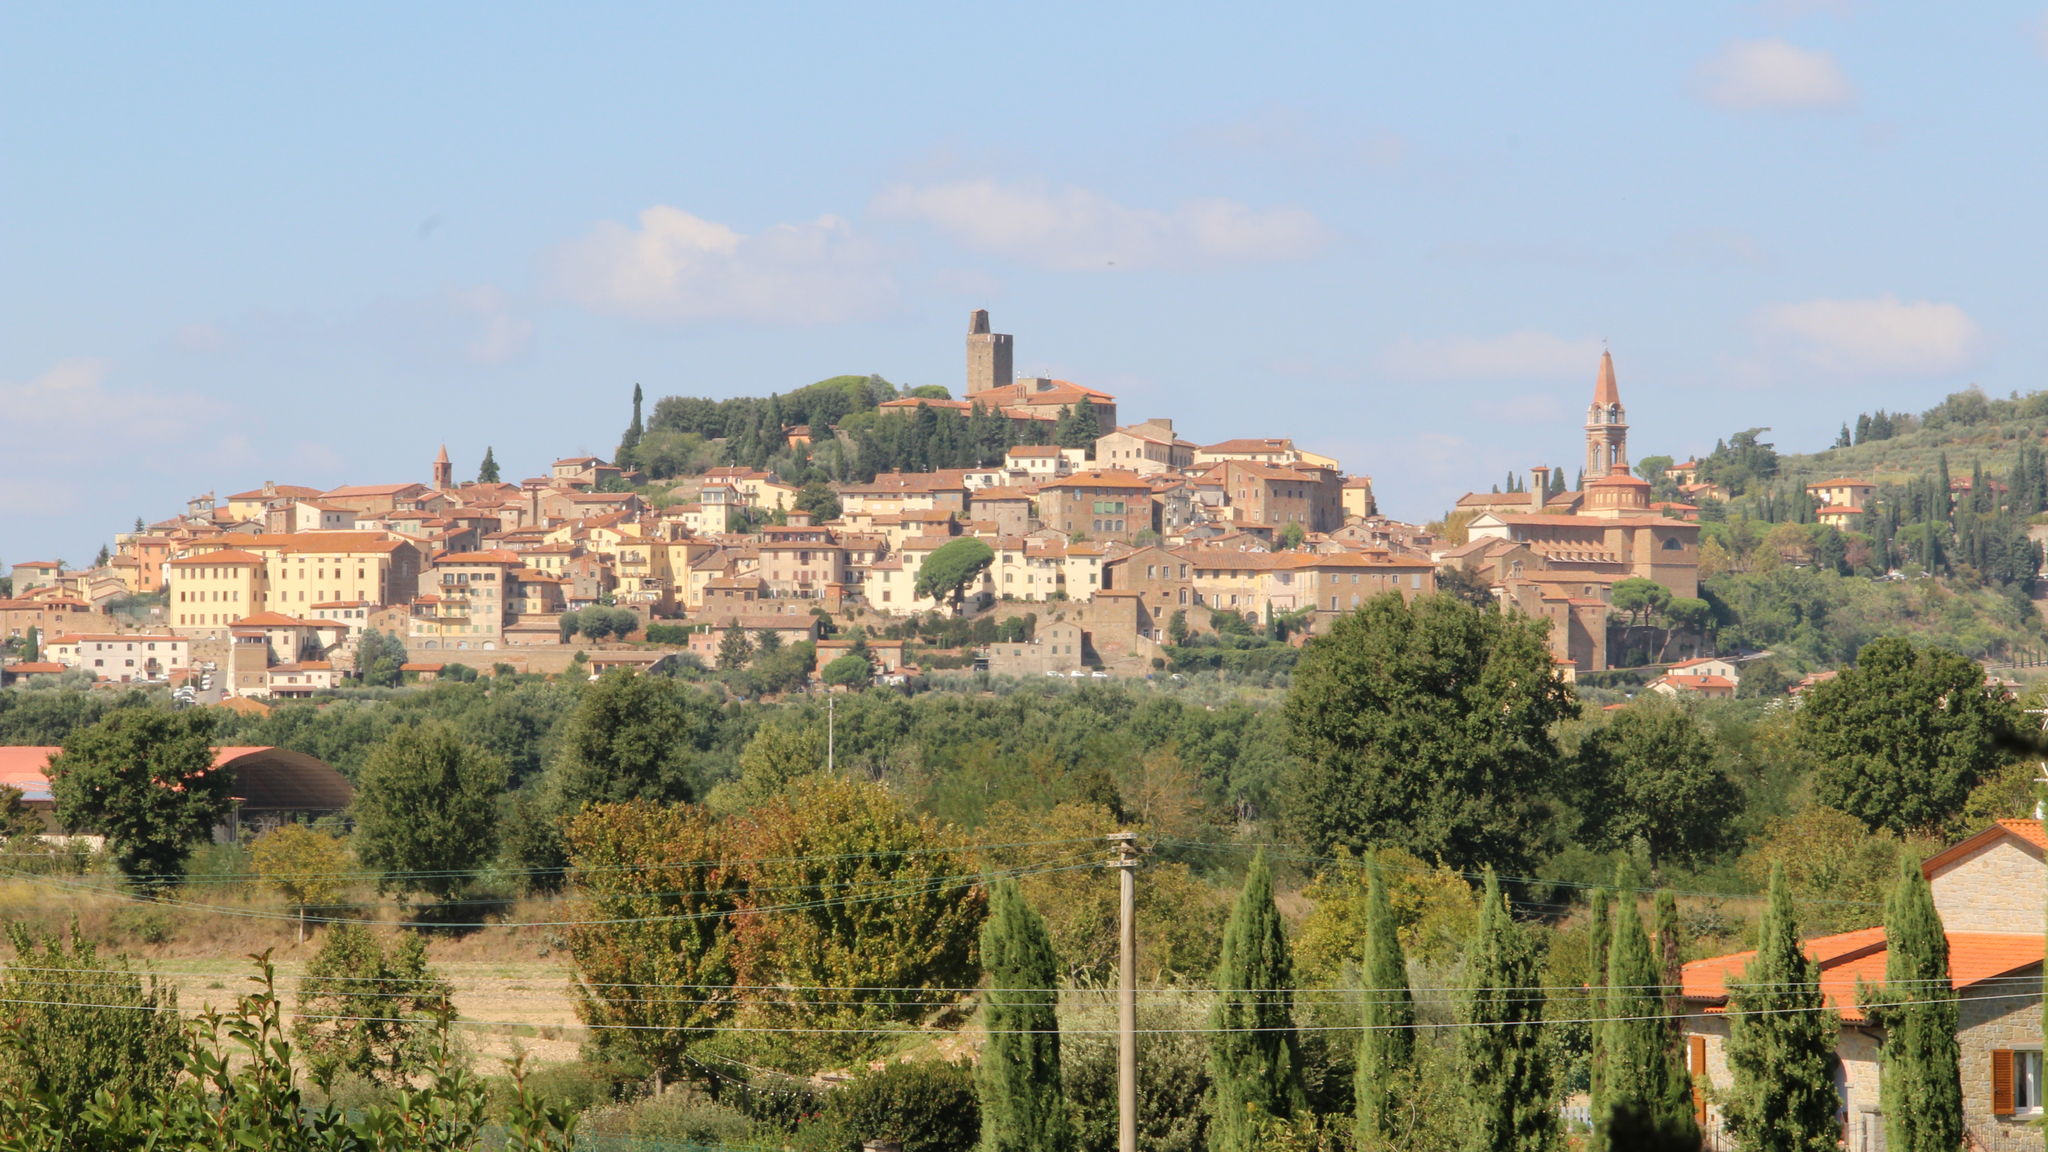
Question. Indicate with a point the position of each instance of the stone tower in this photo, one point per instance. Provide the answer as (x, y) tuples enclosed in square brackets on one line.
[(988, 355), (1606, 427), (444, 472)]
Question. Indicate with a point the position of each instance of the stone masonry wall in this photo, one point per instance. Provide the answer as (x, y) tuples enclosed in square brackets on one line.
[(1999, 889), (1998, 1015)]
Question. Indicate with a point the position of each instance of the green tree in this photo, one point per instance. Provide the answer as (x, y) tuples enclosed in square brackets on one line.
[(487, 472), (951, 567), (1650, 777), (1428, 726), (1902, 738), (819, 500), (652, 968), (1177, 627), (634, 737), (1254, 1054), (426, 809), (849, 671), (1292, 534), (629, 441), (1920, 1085), (1640, 598), (80, 1025), (887, 931), (1077, 426), (568, 624), (1650, 468), (1386, 1041), (380, 657), (1642, 1103), (1022, 1109), (1781, 1042), (306, 867), (1511, 1083), (735, 648), (368, 1010), (143, 777)]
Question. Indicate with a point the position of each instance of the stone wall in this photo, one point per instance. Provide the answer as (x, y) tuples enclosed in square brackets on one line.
[(1998, 1015), (2000, 888)]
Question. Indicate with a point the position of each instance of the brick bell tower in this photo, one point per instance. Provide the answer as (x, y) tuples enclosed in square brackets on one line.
[(1606, 426)]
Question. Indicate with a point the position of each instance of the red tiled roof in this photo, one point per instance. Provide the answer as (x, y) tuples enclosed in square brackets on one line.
[(1852, 957)]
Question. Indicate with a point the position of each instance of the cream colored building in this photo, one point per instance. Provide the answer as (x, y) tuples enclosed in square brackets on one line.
[(122, 657), (208, 592)]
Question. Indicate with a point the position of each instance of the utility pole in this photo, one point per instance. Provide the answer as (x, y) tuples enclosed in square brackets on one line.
[(1125, 861), (829, 699)]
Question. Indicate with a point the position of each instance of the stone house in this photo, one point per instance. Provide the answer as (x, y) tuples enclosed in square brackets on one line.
[(1989, 892)]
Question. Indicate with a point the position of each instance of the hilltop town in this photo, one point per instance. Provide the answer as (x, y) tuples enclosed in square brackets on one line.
[(1115, 542)]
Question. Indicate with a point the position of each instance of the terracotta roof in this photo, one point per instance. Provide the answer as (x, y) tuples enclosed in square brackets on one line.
[(1840, 482), (1252, 444), (496, 556), (372, 490), (234, 556), (1695, 661), (2026, 830), (1101, 478), (1605, 391), (1852, 957)]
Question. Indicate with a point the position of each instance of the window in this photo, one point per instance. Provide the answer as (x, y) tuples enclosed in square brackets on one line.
[(2016, 1082)]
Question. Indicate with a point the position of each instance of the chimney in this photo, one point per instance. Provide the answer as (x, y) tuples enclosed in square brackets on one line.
[(1539, 487)]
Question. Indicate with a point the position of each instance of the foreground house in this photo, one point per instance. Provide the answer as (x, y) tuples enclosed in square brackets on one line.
[(1989, 891)]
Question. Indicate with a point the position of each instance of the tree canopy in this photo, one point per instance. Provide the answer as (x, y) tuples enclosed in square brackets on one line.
[(143, 777), (426, 809), (1902, 738), (952, 566), (1427, 725)]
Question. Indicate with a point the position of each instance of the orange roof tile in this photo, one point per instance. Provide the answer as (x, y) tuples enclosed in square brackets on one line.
[(1851, 958)]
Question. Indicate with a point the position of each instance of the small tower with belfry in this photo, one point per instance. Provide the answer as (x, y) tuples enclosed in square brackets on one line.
[(444, 472), (1606, 425), (1609, 488)]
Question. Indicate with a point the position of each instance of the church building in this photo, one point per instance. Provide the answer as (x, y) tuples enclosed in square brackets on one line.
[(1558, 557)]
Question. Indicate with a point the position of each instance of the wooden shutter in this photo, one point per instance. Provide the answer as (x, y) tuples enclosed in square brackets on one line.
[(1696, 1060), (2001, 1082)]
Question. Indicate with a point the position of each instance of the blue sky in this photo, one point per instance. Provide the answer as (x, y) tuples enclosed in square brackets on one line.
[(272, 242)]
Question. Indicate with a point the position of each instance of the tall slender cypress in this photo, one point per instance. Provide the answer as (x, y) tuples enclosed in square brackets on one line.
[(1781, 1042), (629, 441), (1508, 1071), (1255, 1056), (1602, 932), (1675, 1106), (1920, 1086), (1022, 1108), (1386, 1043), (1634, 1110)]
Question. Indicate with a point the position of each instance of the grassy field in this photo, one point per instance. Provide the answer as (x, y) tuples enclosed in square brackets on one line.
[(511, 985)]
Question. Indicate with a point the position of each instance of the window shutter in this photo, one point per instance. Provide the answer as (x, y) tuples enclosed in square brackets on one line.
[(2001, 1082), (1696, 1061)]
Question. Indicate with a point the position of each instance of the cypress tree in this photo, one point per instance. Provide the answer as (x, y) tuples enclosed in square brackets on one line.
[(1781, 1042), (1675, 1108), (1022, 1108), (1637, 1101), (487, 472), (1920, 1089), (1512, 1084), (1386, 1043), (1602, 931), (1255, 1057), (630, 441)]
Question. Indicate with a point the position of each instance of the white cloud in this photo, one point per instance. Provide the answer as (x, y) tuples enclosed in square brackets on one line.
[(1068, 227), (1522, 354), (1772, 74), (678, 267), (499, 334), (1877, 336)]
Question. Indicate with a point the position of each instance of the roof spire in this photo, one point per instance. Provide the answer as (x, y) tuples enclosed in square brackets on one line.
[(443, 457), (1605, 392)]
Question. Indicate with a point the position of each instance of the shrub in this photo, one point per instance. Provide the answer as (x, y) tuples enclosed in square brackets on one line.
[(924, 1105)]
